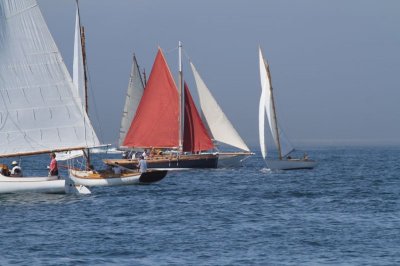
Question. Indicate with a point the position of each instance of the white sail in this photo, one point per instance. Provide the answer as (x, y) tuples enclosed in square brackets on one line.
[(279, 138), (39, 110), (78, 74), (132, 100), (219, 125), (261, 124)]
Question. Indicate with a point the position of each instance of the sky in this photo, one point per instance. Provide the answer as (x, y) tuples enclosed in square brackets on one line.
[(335, 65)]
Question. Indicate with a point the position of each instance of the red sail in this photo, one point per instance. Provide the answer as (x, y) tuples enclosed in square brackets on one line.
[(195, 135), (156, 123)]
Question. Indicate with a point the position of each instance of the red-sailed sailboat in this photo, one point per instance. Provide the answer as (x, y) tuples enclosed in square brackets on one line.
[(168, 125)]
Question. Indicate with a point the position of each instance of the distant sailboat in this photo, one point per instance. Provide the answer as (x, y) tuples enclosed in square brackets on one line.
[(267, 105), (158, 125), (40, 110), (219, 125)]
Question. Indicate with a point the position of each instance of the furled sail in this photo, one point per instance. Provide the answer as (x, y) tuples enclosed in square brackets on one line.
[(132, 100), (195, 137), (156, 123), (39, 110), (219, 125), (279, 138)]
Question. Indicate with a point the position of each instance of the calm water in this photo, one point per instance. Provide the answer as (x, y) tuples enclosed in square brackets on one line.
[(344, 212)]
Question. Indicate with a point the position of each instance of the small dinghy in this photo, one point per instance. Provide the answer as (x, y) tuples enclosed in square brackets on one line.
[(110, 178)]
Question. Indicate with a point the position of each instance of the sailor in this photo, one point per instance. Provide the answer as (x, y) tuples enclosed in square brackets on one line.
[(16, 171), (142, 165), (53, 165)]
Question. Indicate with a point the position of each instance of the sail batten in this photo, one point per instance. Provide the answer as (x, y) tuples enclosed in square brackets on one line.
[(221, 128), (39, 109)]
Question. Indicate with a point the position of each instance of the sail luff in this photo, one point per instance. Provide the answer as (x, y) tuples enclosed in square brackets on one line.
[(221, 128)]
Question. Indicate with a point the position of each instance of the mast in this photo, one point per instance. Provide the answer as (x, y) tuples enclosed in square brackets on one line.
[(83, 46), (181, 99), (274, 112)]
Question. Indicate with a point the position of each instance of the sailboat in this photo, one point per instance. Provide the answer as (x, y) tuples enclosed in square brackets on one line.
[(220, 127), (40, 112), (267, 106), (167, 122), (88, 176)]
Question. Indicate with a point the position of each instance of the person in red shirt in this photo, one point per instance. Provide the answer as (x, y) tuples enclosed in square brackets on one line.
[(53, 165)]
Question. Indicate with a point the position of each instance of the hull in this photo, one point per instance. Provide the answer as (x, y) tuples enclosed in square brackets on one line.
[(108, 178), (31, 184), (291, 164), (232, 159), (166, 162)]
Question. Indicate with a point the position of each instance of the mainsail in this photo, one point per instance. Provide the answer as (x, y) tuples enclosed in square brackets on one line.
[(39, 109), (267, 102), (221, 128), (132, 100), (195, 137), (156, 123)]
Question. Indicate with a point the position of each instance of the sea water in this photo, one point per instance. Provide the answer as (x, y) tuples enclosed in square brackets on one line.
[(344, 212)]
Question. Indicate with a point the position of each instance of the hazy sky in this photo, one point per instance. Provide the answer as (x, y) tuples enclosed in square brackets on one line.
[(335, 65)]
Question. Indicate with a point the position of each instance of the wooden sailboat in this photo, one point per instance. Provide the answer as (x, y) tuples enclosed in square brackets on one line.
[(167, 120), (267, 106), (89, 177), (40, 111), (220, 127)]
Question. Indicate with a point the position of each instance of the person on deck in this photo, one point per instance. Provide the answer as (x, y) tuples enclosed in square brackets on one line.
[(53, 165), (142, 165), (144, 154), (16, 171)]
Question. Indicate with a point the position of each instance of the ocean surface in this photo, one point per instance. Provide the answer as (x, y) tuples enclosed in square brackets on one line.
[(344, 212)]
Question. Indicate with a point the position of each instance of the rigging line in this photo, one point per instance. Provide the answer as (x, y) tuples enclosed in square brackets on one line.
[(171, 50), (96, 113), (186, 55)]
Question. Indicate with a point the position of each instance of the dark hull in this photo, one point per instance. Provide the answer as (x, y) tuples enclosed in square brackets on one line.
[(183, 161), (152, 176)]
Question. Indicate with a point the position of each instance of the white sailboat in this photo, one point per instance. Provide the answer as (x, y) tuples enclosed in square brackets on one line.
[(40, 110), (220, 127), (267, 106)]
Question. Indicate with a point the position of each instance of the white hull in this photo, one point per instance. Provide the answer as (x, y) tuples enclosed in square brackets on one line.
[(83, 178), (291, 164), (31, 184), (232, 159)]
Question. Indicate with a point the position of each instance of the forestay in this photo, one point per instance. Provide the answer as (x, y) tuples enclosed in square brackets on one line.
[(39, 110), (221, 128)]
